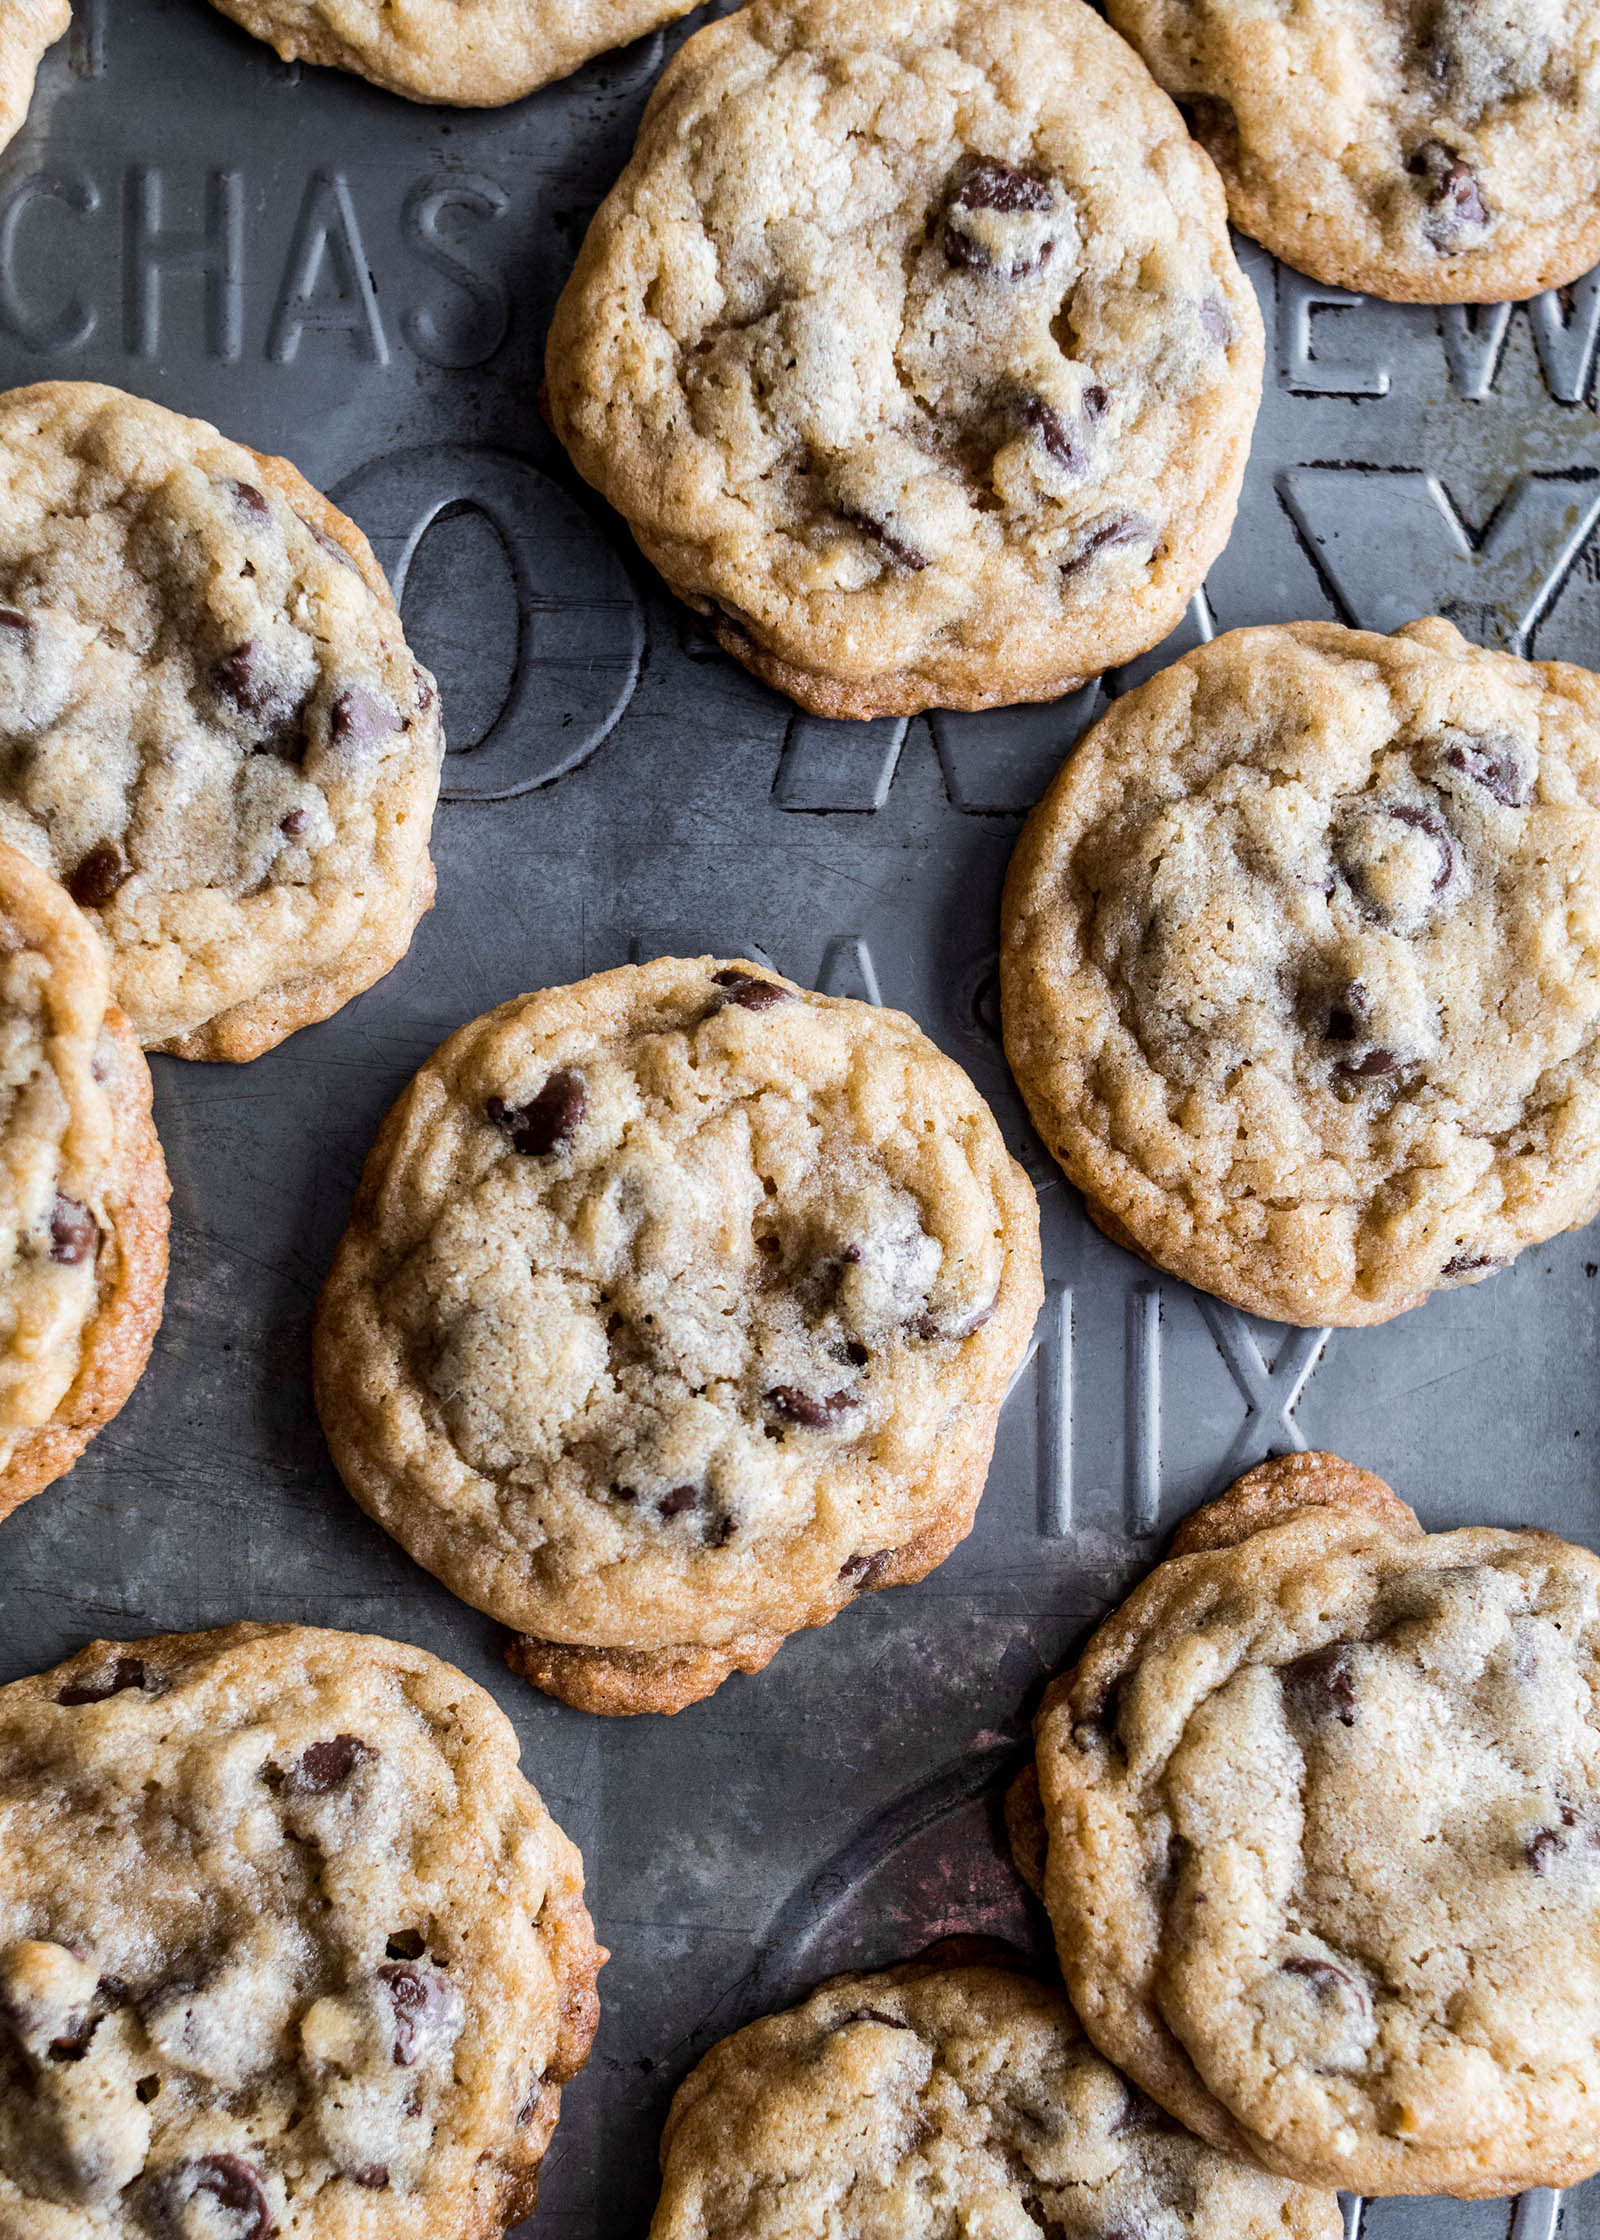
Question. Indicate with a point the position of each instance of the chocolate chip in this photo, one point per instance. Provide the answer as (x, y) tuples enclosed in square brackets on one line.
[(1322, 1685), (929, 1326), (1498, 768), (330, 545), (74, 2041), (1215, 324), (326, 1766), (417, 1999), (1454, 200), (1123, 528), (250, 501), (1054, 433), (361, 720), (126, 1673), (1470, 1264), (426, 690), (1545, 1842), (74, 1233), (1095, 400), (1324, 1978), (548, 1121), (873, 2014), (749, 993), (865, 1572), (992, 185), (1367, 1068), (97, 878), (292, 825), (530, 2107), (1539, 1846), (227, 2180), (795, 1406), (673, 1504), (18, 624), (406, 1944), (1419, 819), (898, 547), (373, 2175)]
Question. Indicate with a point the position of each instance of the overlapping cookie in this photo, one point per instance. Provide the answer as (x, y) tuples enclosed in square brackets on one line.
[(912, 347), (83, 1188), (675, 1311), (1322, 1809), (940, 2100), (287, 1945), (214, 733), (1301, 966), (1437, 153)]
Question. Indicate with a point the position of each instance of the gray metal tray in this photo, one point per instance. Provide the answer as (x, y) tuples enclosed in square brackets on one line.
[(365, 285)]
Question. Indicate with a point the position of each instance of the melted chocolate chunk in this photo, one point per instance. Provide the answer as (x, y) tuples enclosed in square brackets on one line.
[(548, 1122), (873, 2014), (749, 993), (928, 1326), (866, 1572), (126, 1673), (246, 680), (1123, 528), (294, 823), (417, 1998), (1324, 1978), (1494, 765), (1369, 1067), (427, 691), (1053, 432), (1322, 1685), (1095, 400), (1470, 1264), (74, 2041), (74, 1233), (1573, 1830), (897, 547), (1455, 202), (795, 1406), (18, 624), (373, 2175), (361, 720), (997, 186), (326, 1766), (228, 2180), (250, 501), (103, 870), (530, 2107), (673, 1504), (1419, 819)]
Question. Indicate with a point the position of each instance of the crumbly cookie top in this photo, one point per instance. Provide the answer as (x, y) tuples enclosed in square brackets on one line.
[(1444, 150), (213, 732), (933, 2104), (56, 1143), (1302, 969), (672, 1285), (912, 336), (286, 1945), (1324, 1850), (27, 27)]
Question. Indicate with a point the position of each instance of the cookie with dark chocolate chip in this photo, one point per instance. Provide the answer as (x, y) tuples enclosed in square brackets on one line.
[(1447, 152), (214, 733), (287, 1944), (913, 349), (83, 1188), (1321, 1815), (675, 1312), (1301, 966), (943, 2099)]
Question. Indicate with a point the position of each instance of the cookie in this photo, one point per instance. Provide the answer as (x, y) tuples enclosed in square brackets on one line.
[(287, 1945), (468, 54), (1443, 153), (675, 1311), (935, 2101), (1301, 966), (214, 733), (83, 1188), (27, 28), (912, 347), (1322, 1808)]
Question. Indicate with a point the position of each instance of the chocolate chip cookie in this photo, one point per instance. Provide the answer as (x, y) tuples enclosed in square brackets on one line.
[(214, 733), (1322, 1804), (675, 1311), (27, 27), (83, 1188), (287, 1945), (468, 54), (937, 2101), (913, 349), (1301, 966), (1447, 152)]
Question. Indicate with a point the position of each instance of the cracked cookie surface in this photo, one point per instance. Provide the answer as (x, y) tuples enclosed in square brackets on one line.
[(1301, 966), (675, 1310), (913, 349), (471, 54), (211, 729), (83, 1188), (1322, 1803), (933, 2101), (27, 28), (1432, 151), (287, 1945)]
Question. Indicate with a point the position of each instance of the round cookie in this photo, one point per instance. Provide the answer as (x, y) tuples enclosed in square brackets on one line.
[(1443, 153), (913, 349), (27, 28), (214, 733), (287, 1945), (1322, 1806), (936, 2101), (83, 1188), (676, 1309), (1298, 974), (467, 54)]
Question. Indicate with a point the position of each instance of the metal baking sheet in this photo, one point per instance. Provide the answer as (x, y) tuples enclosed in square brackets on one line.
[(328, 271)]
